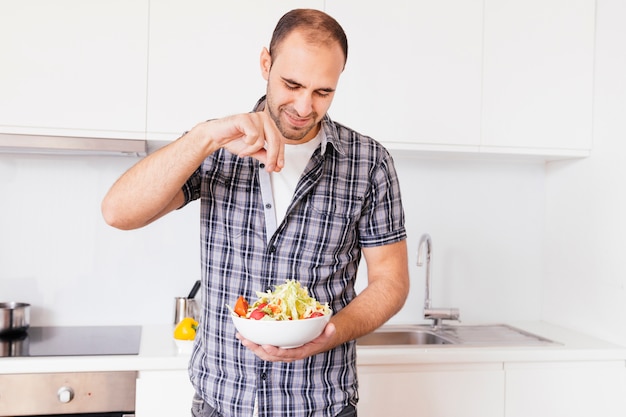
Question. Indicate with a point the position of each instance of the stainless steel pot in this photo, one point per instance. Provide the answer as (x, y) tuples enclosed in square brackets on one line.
[(14, 317), (14, 344)]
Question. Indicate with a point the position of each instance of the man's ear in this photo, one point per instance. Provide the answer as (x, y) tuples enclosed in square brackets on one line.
[(266, 64)]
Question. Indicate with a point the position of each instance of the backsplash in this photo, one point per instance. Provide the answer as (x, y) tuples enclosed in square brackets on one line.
[(56, 252)]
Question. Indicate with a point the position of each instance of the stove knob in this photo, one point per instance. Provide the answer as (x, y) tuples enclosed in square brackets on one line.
[(65, 394)]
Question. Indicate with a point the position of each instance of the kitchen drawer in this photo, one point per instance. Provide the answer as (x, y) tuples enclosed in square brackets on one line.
[(67, 393)]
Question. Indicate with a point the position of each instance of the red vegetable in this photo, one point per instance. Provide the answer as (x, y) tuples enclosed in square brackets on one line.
[(258, 313), (241, 307)]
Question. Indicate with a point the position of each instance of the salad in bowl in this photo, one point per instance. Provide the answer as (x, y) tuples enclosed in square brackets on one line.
[(286, 317)]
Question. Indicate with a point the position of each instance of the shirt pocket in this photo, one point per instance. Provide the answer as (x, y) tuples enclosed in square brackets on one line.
[(339, 209), (332, 223)]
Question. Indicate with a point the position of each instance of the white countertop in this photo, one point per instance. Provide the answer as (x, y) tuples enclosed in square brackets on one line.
[(158, 351), (570, 346)]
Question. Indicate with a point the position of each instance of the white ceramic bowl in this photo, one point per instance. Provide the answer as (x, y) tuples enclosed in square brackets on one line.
[(284, 333)]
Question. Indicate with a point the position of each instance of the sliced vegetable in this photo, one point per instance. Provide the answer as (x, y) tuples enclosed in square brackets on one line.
[(241, 307), (288, 301), (258, 314)]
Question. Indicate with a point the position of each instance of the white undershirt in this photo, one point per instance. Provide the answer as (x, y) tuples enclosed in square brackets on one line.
[(284, 182)]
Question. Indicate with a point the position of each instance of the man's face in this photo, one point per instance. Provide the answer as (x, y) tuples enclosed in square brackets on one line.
[(301, 82)]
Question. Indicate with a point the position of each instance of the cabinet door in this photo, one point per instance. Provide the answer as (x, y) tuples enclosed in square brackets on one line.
[(163, 394), (439, 390), (569, 389), (204, 59), (74, 68), (538, 74), (413, 74)]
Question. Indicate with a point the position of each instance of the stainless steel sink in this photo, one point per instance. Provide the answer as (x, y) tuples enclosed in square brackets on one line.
[(387, 337), (452, 335)]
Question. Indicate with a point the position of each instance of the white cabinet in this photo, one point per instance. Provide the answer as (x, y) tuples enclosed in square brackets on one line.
[(163, 394), (413, 74), (437, 390), (494, 76), (538, 75), (204, 59), (74, 68), (474, 76), (505, 389), (566, 389)]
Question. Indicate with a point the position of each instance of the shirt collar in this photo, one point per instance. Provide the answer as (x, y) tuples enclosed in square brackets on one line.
[(331, 135)]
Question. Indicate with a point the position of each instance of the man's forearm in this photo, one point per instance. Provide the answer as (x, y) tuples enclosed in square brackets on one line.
[(384, 296), (152, 187)]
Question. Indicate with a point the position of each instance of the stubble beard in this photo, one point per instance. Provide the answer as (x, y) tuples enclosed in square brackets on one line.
[(288, 133)]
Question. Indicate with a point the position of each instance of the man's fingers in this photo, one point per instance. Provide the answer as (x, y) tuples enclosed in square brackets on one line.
[(274, 145), (274, 152), (255, 135)]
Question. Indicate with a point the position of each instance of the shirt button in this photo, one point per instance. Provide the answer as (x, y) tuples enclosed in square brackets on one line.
[(262, 165), (268, 206), (272, 249)]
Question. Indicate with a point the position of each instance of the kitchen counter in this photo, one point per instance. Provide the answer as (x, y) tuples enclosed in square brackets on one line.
[(158, 351), (570, 346)]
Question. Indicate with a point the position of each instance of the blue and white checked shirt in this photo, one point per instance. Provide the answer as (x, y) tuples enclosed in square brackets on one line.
[(347, 198)]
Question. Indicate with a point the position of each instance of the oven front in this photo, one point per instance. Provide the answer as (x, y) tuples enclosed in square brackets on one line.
[(75, 394)]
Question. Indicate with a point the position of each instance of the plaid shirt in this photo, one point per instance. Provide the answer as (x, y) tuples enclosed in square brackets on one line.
[(347, 198)]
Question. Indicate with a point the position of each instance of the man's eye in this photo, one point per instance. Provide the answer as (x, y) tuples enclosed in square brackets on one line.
[(291, 87)]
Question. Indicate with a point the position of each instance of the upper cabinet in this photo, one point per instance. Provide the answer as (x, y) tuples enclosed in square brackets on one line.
[(414, 71), (74, 68), (538, 75), (472, 76), (204, 59), (492, 76)]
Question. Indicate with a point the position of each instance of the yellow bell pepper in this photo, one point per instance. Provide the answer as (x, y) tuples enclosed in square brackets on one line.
[(186, 329)]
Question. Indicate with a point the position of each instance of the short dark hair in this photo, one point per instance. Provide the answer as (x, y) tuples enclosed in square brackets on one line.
[(317, 27)]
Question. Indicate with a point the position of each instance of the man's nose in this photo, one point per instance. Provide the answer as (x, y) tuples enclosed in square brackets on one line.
[(303, 103)]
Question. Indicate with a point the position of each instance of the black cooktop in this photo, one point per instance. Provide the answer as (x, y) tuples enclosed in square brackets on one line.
[(73, 341)]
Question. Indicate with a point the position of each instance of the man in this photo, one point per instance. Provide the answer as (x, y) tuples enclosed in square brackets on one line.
[(286, 193)]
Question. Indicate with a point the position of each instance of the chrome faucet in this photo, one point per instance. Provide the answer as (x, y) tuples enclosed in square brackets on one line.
[(430, 312)]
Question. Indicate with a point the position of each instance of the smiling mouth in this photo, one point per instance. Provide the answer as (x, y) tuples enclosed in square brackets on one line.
[(297, 122)]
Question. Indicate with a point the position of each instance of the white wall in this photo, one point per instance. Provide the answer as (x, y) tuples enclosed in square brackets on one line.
[(585, 272), (57, 253), (486, 222), (485, 217)]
